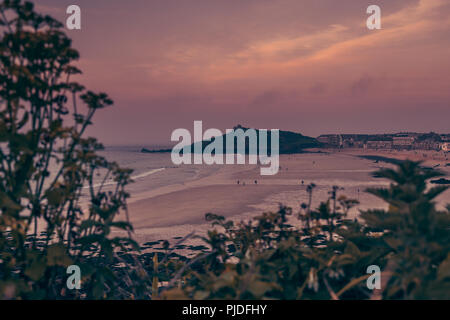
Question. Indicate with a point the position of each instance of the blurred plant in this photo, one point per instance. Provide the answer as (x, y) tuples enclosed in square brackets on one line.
[(415, 234), (327, 258), (47, 166)]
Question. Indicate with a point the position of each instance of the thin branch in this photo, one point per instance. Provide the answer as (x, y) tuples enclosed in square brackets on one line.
[(333, 295)]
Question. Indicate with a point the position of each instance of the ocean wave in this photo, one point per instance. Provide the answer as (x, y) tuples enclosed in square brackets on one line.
[(144, 174), (138, 176)]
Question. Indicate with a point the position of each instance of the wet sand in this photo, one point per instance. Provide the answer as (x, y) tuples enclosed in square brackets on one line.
[(189, 206), (176, 209)]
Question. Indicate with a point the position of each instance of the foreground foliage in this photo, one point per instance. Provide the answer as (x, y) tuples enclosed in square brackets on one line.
[(47, 166), (328, 258)]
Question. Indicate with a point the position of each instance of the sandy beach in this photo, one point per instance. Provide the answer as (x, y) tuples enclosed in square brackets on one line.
[(163, 209)]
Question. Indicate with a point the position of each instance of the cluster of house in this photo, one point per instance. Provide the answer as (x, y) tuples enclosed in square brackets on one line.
[(400, 141)]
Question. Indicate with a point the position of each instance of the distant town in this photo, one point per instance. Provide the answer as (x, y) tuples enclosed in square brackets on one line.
[(398, 141)]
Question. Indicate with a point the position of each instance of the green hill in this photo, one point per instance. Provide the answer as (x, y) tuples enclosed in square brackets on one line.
[(290, 142)]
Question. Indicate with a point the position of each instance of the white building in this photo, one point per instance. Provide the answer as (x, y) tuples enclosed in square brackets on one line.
[(403, 142)]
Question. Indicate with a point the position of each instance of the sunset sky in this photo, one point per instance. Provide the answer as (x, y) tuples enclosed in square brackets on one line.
[(308, 66)]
